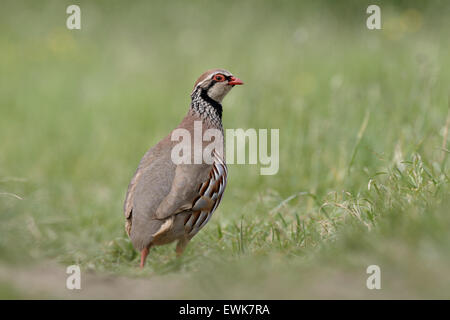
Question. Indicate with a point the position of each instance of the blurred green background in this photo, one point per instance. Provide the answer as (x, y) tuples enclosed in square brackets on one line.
[(364, 127)]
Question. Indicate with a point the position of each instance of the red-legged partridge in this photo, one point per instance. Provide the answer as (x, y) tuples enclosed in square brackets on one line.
[(167, 201)]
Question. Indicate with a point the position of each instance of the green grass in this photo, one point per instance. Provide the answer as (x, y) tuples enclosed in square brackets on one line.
[(364, 130)]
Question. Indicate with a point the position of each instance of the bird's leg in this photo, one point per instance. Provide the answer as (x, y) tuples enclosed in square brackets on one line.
[(181, 245), (144, 254)]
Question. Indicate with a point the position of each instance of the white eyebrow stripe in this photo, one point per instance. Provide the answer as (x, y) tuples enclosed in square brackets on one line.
[(227, 74)]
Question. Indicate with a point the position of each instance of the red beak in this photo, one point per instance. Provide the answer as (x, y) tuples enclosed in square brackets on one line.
[(235, 81)]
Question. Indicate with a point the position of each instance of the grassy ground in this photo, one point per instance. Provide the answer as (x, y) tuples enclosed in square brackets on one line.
[(363, 119)]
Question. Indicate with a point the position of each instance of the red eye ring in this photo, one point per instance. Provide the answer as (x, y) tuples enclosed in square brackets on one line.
[(219, 77)]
